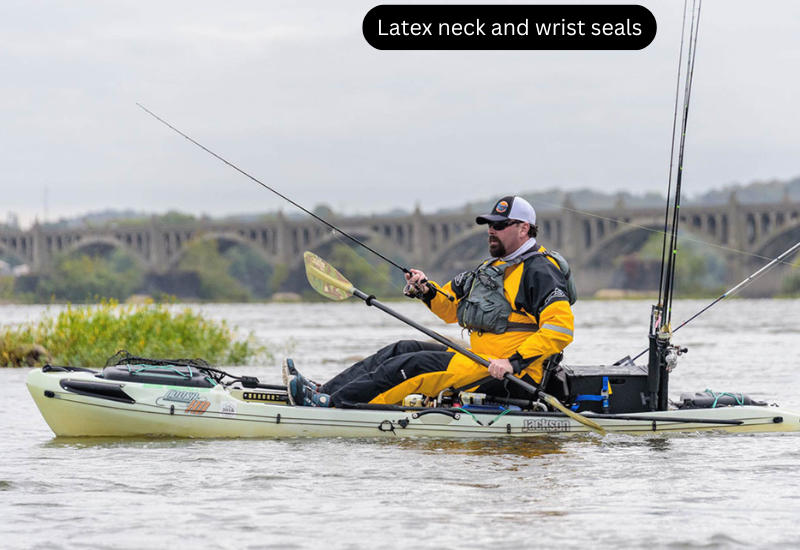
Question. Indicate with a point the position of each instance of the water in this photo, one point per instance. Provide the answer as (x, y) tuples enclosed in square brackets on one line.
[(664, 491)]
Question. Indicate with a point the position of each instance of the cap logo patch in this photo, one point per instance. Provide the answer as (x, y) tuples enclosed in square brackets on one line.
[(501, 207)]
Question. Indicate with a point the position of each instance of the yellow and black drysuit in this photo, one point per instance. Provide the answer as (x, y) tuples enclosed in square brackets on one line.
[(530, 320)]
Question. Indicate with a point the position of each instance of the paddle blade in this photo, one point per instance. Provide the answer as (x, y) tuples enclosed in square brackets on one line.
[(324, 278), (555, 403)]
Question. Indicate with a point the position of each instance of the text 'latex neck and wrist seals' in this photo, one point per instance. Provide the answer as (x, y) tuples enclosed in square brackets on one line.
[(507, 27)]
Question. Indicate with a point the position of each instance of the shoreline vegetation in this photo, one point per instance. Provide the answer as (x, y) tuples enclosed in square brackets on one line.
[(86, 336)]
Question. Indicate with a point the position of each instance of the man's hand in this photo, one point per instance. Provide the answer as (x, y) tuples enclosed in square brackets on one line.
[(500, 367), (416, 280)]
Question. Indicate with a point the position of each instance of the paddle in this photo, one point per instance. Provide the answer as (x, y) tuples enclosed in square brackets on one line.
[(330, 283)]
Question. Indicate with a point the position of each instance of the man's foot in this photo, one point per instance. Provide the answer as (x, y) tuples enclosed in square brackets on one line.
[(303, 396), (288, 370)]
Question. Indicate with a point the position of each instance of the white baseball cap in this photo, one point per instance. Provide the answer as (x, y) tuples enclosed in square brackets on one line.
[(510, 208)]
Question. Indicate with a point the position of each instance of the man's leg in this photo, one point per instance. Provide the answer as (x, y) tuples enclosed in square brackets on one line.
[(371, 364), (402, 374), (458, 371)]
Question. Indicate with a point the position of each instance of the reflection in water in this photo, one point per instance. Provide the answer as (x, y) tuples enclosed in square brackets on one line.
[(518, 448), (655, 442), (139, 442)]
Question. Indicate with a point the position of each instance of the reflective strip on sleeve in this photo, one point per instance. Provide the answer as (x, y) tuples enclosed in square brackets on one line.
[(562, 330)]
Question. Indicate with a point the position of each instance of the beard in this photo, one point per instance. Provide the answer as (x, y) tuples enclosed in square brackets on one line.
[(496, 248)]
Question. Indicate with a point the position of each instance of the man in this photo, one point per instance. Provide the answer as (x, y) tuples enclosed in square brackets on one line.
[(515, 305)]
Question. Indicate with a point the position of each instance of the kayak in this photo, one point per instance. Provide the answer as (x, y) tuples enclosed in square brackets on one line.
[(186, 401)]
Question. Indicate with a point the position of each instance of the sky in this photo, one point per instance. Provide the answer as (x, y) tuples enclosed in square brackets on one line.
[(291, 92)]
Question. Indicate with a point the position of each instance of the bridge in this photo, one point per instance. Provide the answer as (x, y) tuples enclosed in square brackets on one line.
[(442, 245)]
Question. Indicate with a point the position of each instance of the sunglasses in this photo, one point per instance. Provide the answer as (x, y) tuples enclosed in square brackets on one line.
[(502, 224)]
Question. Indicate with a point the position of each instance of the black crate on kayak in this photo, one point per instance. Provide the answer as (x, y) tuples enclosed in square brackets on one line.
[(614, 389)]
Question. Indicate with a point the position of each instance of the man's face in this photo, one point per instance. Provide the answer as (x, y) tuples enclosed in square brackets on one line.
[(506, 238)]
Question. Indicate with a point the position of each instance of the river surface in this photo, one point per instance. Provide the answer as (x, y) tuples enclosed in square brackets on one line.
[(660, 491)]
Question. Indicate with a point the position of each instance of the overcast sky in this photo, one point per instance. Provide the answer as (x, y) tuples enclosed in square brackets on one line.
[(291, 92)]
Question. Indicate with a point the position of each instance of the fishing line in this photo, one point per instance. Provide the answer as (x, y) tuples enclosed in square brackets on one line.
[(287, 199), (746, 282)]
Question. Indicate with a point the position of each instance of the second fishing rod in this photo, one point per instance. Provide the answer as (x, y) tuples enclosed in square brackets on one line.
[(290, 201)]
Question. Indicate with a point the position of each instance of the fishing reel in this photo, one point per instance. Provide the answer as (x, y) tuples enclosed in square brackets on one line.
[(671, 356), (413, 291)]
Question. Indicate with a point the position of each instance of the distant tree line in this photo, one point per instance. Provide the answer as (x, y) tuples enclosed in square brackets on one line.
[(209, 270)]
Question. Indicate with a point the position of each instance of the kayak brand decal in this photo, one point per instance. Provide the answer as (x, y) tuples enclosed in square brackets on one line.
[(197, 406), (545, 425), (226, 408), (179, 396)]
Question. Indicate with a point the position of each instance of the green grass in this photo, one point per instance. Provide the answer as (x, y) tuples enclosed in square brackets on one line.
[(87, 336)]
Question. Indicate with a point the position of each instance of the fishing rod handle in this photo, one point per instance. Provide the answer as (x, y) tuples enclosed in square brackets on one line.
[(414, 291)]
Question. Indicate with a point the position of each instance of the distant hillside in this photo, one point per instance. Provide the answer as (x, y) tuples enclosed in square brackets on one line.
[(101, 218), (543, 201), (588, 199), (583, 199), (757, 192)]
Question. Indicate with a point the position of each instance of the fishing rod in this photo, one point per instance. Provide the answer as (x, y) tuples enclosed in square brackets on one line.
[(662, 354), (672, 153), (669, 284), (733, 290), (287, 199)]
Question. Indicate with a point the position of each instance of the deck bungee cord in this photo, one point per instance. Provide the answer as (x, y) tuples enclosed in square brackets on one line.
[(290, 201)]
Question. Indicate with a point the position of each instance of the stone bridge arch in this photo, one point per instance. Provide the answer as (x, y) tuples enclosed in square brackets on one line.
[(626, 240), (181, 246), (463, 252), (712, 226), (602, 238), (765, 250), (778, 242), (12, 252), (77, 246), (375, 240)]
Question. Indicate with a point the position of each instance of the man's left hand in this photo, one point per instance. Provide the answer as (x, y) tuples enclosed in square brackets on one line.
[(500, 367)]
